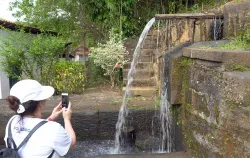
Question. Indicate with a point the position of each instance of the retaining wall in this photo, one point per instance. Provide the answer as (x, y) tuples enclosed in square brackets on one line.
[(215, 101)]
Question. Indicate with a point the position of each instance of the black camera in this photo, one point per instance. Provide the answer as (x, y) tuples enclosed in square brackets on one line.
[(65, 100)]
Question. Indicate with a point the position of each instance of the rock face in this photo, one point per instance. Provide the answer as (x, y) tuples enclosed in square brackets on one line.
[(236, 18), (215, 102)]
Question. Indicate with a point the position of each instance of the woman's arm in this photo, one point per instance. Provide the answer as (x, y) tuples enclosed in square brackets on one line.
[(68, 126)]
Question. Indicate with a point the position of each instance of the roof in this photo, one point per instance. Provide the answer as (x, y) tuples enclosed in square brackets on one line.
[(16, 27), (82, 50)]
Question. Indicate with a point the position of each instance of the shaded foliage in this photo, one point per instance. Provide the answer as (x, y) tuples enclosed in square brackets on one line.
[(81, 21), (68, 76), (33, 55)]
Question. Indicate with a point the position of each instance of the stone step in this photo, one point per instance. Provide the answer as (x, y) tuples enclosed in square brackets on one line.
[(142, 58), (140, 65), (144, 52), (147, 51), (139, 74), (142, 91), (141, 82)]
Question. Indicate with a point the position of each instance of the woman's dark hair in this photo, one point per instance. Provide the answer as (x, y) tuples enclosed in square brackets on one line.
[(30, 106)]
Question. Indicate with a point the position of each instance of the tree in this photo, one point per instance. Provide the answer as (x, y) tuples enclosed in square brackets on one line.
[(67, 18), (33, 55)]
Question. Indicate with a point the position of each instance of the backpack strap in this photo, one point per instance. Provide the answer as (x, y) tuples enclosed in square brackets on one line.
[(31, 133), (50, 156), (10, 139)]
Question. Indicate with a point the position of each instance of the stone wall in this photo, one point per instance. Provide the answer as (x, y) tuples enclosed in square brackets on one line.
[(215, 101), (236, 18), (96, 125)]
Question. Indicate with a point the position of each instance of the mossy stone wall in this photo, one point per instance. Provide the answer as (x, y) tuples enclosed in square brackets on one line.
[(236, 18), (215, 107)]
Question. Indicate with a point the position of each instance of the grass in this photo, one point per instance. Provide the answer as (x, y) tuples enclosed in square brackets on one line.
[(241, 68), (236, 44), (241, 42)]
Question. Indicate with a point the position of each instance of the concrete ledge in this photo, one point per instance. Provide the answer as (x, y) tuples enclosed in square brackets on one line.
[(228, 58)]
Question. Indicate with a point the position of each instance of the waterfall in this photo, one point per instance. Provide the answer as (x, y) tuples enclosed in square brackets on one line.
[(166, 113), (217, 28), (120, 125), (166, 121)]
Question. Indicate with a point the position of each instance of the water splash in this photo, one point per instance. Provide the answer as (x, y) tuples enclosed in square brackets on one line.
[(120, 125)]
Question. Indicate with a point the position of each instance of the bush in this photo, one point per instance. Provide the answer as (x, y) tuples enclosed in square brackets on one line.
[(110, 56), (31, 56), (95, 75), (68, 76)]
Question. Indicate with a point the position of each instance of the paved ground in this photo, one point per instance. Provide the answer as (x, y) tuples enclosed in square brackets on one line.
[(95, 99)]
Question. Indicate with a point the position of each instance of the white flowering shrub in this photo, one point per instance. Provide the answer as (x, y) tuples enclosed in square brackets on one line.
[(110, 56)]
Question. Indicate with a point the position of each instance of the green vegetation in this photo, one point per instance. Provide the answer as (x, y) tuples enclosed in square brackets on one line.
[(67, 76), (157, 102), (95, 75), (241, 68), (184, 62), (110, 56), (32, 55), (241, 42), (88, 21)]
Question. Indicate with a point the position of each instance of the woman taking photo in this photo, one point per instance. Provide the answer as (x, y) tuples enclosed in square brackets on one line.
[(27, 98)]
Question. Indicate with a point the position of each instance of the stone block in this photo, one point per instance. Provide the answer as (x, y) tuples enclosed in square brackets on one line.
[(142, 91), (147, 51), (175, 81), (142, 82), (236, 18), (227, 58), (237, 89), (142, 58), (140, 65), (139, 74)]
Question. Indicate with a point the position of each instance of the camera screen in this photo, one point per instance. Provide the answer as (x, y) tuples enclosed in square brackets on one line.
[(65, 100)]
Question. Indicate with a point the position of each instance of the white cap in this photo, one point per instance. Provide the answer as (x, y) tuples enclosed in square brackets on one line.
[(26, 90)]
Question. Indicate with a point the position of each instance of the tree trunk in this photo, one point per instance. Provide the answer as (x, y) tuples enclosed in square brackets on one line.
[(112, 81), (67, 53)]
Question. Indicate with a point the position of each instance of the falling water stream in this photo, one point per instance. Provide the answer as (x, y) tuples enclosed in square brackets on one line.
[(166, 121), (120, 125)]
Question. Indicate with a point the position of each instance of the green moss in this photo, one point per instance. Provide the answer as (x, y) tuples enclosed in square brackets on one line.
[(157, 102), (240, 68), (217, 113), (185, 62)]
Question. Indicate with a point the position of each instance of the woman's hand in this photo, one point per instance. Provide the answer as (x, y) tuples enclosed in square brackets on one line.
[(56, 111), (67, 112)]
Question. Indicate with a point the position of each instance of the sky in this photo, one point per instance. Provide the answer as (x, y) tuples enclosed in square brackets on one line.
[(4, 12)]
